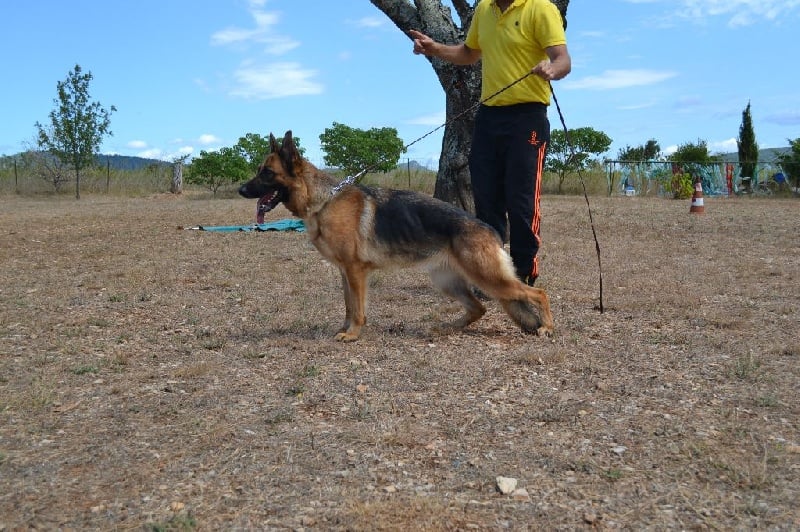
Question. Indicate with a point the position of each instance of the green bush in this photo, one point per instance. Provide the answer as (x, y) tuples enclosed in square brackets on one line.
[(681, 186)]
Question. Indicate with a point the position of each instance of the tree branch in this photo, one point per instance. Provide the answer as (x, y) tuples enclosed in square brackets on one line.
[(402, 13), (465, 12)]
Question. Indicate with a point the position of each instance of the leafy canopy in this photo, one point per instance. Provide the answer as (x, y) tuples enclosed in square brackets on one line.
[(790, 162), (214, 169), (584, 146), (77, 124), (355, 150), (649, 151), (254, 147), (693, 152)]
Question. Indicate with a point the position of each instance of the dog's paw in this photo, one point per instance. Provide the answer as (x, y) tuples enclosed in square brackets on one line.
[(346, 337), (544, 331)]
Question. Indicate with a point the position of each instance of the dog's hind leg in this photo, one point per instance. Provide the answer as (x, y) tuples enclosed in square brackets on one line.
[(455, 286), (520, 310), (354, 282), (488, 266)]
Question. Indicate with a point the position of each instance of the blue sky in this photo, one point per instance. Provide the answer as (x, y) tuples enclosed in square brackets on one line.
[(187, 76)]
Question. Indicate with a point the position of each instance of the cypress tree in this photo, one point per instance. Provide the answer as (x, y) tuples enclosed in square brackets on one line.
[(747, 145)]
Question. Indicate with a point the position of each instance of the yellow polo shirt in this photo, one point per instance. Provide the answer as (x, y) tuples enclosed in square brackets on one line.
[(511, 44)]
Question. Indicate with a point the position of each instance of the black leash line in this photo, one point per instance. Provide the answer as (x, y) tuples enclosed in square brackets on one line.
[(585, 194), (357, 177)]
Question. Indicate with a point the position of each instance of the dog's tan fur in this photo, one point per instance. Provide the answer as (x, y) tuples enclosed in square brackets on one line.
[(361, 229)]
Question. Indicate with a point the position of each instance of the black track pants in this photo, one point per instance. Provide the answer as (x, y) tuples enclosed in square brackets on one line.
[(508, 153)]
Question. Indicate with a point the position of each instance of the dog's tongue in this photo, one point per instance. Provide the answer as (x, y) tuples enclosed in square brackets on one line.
[(260, 210)]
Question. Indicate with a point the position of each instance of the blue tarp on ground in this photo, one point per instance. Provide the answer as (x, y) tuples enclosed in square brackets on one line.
[(279, 225)]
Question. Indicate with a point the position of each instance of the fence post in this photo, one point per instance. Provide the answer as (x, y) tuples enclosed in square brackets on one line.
[(16, 178), (108, 173)]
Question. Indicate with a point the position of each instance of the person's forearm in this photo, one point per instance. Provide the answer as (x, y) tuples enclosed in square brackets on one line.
[(561, 67), (458, 54)]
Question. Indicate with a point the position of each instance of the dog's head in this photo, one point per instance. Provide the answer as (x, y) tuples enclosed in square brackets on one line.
[(276, 176)]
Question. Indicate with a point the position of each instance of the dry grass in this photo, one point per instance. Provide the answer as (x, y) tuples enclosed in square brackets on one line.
[(165, 379)]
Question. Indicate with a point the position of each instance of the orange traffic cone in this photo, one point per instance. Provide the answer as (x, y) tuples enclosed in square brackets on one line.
[(697, 199)]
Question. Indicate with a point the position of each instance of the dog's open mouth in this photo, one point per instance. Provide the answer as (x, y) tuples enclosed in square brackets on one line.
[(266, 203)]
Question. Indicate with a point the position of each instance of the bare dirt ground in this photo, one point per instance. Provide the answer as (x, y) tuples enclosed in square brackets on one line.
[(154, 378)]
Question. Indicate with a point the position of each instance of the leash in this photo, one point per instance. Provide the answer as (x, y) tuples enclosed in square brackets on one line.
[(585, 194), (356, 178)]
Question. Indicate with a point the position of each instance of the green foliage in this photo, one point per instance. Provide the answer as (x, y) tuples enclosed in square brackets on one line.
[(77, 125), (747, 145), (692, 152), (646, 152), (215, 169), (254, 148), (354, 150), (564, 158), (690, 158), (681, 185), (790, 162)]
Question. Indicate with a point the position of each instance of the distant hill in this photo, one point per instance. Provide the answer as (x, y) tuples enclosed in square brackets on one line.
[(767, 155), (116, 162), (126, 162)]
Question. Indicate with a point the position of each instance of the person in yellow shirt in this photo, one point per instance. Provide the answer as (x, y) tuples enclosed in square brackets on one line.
[(509, 143)]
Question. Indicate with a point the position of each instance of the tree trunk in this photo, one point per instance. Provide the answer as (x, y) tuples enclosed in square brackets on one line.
[(77, 182), (461, 84), (177, 178)]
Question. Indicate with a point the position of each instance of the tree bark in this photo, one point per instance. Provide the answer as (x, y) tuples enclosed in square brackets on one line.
[(177, 178), (461, 84)]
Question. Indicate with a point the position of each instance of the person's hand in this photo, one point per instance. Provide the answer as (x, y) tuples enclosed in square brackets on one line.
[(545, 70), (423, 45)]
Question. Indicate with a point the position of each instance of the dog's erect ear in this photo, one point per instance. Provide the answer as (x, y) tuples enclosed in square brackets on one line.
[(289, 154), (274, 147)]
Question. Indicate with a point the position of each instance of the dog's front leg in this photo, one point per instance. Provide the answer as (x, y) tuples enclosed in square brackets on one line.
[(348, 305), (354, 283)]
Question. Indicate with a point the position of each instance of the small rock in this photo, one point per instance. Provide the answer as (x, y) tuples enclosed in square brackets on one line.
[(619, 449), (506, 485), (521, 494), (391, 488), (177, 506), (590, 517)]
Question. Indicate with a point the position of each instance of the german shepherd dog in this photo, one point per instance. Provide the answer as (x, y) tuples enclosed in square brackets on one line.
[(360, 229)]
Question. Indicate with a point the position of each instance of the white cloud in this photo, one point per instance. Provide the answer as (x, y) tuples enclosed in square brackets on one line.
[(183, 150), (152, 153), (739, 12), (433, 119), (137, 144), (158, 153), (276, 80), (723, 146), (263, 33), (788, 118), (369, 22), (207, 139), (619, 79), (264, 22)]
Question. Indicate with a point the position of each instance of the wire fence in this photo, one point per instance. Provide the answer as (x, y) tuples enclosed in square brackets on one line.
[(721, 178)]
